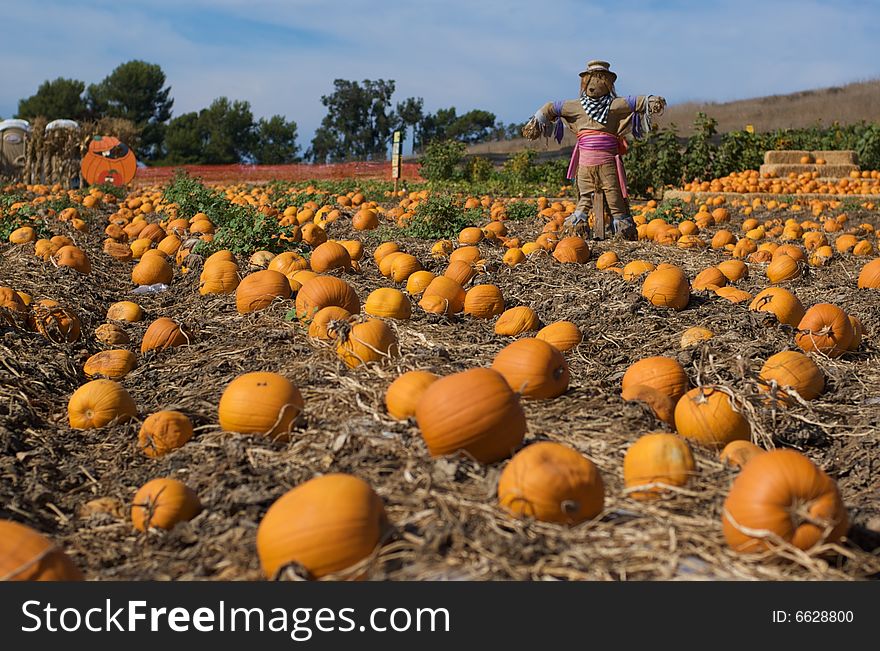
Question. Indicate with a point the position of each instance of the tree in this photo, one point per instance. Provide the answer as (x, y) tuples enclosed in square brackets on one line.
[(276, 141), (184, 140), (409, 114), (61, 98), (223, 133), (134, 91), (358, 123), (473, 126), (433, 127)]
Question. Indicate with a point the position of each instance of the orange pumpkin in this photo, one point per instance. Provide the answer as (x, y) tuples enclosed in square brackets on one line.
[(781, 303), (220, 277), (443, 296), (667, 288), (793, 370), (826, 329), (710, 278), (516, 321), (323, 291), (389, 303), (533, 368), (695, 335), (73, 257), (328, 256), (657, 458), (27, 555), (361, 342), (100, 403), (706, 416), (473, 411), (162, 503), (661, 373), (562, 335), (324, 526), (553, 483), (869, 276), (163, 432), (403, 395), (111, 334), (164, 333), (782, 496), (483, 301), (572, 250), (660, 403), (738, 453), (260, 289), (319, 326), (260, 403), (112, 364)]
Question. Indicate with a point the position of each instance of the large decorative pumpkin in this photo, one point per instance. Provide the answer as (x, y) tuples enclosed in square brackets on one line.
[(533, 368), (108, 161), (443, 296), (658, 458), (389, 303), (706, 416), (826, 329), (328, 256), (572, 250), (220, 277), (553, 483), (151, 270), (260, 403), (473, 411), (27, 555), (99, 403), (781, 495), (324, 526), (162, 503)]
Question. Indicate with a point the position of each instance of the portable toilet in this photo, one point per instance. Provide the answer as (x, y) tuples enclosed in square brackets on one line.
[(13, 138)]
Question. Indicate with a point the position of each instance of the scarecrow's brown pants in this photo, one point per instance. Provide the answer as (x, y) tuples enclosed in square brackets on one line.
[(604, 178)]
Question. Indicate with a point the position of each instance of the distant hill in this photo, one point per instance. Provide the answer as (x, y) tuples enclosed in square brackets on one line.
[(845, 104)]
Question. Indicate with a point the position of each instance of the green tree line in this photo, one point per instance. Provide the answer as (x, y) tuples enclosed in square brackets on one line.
[(359, 123)]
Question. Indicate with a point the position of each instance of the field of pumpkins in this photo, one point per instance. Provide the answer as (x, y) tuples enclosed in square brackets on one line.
[(188, 391)]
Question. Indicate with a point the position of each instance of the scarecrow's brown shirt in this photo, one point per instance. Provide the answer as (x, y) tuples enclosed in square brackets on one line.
[(619, 116)]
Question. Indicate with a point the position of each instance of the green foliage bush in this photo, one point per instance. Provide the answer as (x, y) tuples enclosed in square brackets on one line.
[(442, 216)]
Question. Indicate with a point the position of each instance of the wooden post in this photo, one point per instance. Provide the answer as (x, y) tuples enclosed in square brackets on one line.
[(599, 214), (396, 147)]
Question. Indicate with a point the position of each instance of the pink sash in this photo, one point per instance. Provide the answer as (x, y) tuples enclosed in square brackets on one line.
[(598, 148)]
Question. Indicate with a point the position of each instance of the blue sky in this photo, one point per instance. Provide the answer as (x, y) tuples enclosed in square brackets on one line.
[(504, 56)]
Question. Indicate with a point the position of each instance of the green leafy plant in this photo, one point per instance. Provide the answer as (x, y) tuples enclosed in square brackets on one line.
[(521, 210), (443, 160), (441, 216)]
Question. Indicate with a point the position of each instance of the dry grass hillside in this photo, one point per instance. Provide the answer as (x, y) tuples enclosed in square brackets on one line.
[(845, 104)]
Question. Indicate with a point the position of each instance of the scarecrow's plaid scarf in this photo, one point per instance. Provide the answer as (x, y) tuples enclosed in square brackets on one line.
[(597, 109)]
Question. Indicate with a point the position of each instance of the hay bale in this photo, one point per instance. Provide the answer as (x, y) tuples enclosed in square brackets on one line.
[(826, 171), (793, 157)]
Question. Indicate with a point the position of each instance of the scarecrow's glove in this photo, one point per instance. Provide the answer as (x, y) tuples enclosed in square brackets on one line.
[(625, 228), (656, 104), (577, 218)]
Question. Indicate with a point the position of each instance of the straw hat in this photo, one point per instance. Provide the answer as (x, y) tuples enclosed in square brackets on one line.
[(599, 66)]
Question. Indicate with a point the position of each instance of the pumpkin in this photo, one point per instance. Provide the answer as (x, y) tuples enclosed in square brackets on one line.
[(722, 238), (781, 303), (162, 503), (220, 277), (163, 432), (796, 253), (169, 245), (384, 249), (118, 251), (606, 260), (111, 334), (328, 256), (261, 259), (73, 257), (154, 233), (573, 250), (738, 453), (513, 257), (661, 373), (460, 271), (869, 276), (793, 370), (734, 270), (418, 282), (403, 266), (553, 483), (288, 263), (466, 254), (733, 294), (448, 296), (473, 411), (260, 403), (710, 278), (389, 303), (441, 249), (23, 235), (113, 364), (319, 326), (782, 495), (783, 268), (323, 291), (826, 329), (706, 416), (27, 555), (164, 333), (533, 368), (562, 335), (667, 288), (125, 311), (695, 335), (657, 458), (152, 270), (324, 526), (483, 301), (361, 342), (660, 403), (99, 403), (403, 395), (365, 220), (858, 332), (56, 323), (260, 289), (636, 268), (386, 262), (516, 321)]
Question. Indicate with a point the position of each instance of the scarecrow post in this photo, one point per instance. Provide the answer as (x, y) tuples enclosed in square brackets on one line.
[(396, 146)]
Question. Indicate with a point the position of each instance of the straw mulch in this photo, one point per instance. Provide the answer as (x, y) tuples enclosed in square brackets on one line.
[(445, 520)]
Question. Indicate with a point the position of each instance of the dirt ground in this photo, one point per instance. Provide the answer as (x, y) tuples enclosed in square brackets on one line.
[(446, 523)]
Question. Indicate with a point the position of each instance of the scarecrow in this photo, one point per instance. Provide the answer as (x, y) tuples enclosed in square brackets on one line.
[(600, 119)]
